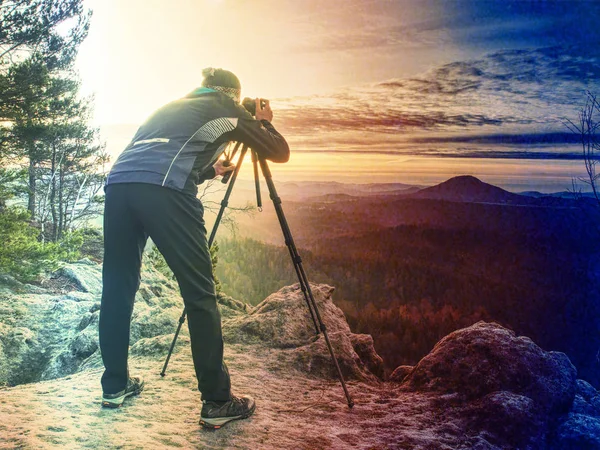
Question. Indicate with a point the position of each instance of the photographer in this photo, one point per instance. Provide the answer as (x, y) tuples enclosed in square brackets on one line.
[(151, 191)]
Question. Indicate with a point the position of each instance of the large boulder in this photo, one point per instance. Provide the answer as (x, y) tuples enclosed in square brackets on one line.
[(486, 358), (504, 389), (283, 321)]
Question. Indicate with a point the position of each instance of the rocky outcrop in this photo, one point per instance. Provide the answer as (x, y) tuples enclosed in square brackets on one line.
[(52, 332), (487, 358), (46, 334), (480, 387), (400, 373), (283, 321), (507, 390)]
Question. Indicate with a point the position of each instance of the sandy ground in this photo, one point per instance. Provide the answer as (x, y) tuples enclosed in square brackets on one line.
[(293, 412)]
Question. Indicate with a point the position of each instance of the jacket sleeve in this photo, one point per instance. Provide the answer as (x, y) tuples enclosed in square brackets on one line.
[(208, 174), (262, 137)]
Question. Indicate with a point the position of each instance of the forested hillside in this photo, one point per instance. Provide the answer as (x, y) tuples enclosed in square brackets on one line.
[(532, 269)]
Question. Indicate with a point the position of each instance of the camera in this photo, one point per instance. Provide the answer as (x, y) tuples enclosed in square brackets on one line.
[(250, 104)]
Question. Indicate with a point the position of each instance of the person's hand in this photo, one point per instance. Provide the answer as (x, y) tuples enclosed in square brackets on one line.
[(222, 167), (263, 114)]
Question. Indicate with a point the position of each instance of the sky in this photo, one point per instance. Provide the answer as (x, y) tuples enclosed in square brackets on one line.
[(410, 91)]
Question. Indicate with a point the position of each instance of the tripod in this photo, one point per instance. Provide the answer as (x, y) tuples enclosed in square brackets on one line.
[(289, 241)]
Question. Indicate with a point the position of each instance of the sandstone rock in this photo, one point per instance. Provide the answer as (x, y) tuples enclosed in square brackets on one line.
[(84, 275), (510, 418), (45, 335), (586, 390), (365, 349), (315, 359), (577, 432), (487, 358), (149, 322), (23, 356), (158, 345), (582, 406), (400, 373), (283, 319), (229, 307), (10, 285)]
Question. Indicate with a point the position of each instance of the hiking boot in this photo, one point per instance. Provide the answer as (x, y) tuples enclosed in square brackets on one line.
[(216, 414), (135, 385)]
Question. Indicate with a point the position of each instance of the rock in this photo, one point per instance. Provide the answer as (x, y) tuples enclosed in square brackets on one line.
[(45, 335), (229, 307), (510, 418), (400, 373), (577, 432), (23, 356), (72, 356), (364, 347), (315, 359), (283, 319), (158, 345), (83, 275), (586, 390), (581, 406), (149, 322), (85, 344), (487, 358), (10, 284)]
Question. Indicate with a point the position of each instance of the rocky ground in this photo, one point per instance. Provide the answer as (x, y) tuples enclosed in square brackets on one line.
[(480, 388)]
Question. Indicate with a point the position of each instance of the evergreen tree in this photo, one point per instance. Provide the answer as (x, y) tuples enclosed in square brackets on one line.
[(46, 129), (49, 156)]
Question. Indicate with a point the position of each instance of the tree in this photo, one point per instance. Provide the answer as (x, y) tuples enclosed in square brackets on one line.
[(209, 193), (30, 32), (45, 123), (48, 153), (72, 174), (50, 138), (587, 129), (32, 27)]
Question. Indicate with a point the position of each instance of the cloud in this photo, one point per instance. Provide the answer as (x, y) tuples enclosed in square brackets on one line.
[(516, 87), (507, 98)]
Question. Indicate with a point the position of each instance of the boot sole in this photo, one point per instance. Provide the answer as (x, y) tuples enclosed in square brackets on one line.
[(117, 402), (217, 422)]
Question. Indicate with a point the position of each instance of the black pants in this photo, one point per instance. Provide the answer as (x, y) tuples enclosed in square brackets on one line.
[(174, 221)]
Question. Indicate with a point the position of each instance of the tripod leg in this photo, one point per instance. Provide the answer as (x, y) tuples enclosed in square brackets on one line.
[(302, 278), (224, 204), (181, 320)]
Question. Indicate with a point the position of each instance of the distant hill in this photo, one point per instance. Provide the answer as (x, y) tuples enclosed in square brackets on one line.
[(304, 190), (467, 188)]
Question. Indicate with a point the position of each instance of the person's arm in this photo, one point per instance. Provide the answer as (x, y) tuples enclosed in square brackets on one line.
[(260, 135), (219, 168), (208, 174)]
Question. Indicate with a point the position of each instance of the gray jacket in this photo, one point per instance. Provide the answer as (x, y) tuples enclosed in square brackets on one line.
[(177, 146)]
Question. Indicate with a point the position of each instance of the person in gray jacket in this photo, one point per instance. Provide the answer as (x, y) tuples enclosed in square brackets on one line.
[(151, 192)]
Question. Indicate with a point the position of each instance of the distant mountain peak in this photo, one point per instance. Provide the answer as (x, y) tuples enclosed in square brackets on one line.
[(467, 188), (465, 180)]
